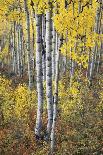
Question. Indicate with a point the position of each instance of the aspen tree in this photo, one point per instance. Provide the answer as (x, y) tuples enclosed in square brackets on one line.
[(29, 53), (39, 74), (21, 52), (18, 48), (96, 30), (33, 34), (99, 56), (53, 52), (49, 69), (14, 48), (11, 45), (43, 47), (55, 102)]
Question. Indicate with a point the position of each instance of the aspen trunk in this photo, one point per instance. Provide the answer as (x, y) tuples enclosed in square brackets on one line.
[(39, 75), (21, 52), (14, 50), (99, 57), (53, 52), (96, 30), (55, 97), (18, 48), (49, 71), (43, 28), (71, 68), (33, 42), (43, 48), (29, 53)]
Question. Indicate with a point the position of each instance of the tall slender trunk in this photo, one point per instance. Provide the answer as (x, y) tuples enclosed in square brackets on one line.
[(99, 57), (29, 53), (43, 28), (43, 47), (39, 75), (71, 68), (33, 42), (14, 49), (21, 52), (11, 48), (55, 96), (96, 30), (53, 52), (49, 71), (18, 48)]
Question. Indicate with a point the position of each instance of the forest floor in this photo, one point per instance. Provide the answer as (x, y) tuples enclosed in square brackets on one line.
[(73, 137)]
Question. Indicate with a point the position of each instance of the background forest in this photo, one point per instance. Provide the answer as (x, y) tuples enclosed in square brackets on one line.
[(51, 77)]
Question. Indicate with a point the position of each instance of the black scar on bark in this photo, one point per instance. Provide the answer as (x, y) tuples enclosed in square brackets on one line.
[(43, 50), (39, 137), (66, 3), (32, 3)]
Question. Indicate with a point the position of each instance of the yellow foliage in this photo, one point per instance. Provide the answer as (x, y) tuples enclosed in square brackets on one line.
[(16, 102), (4, 52), (24, 101)]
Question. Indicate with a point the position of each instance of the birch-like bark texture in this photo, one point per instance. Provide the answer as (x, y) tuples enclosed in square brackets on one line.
[(39, 75), (14, 49), (53, 52), (49, 71), (58, 42), (98, 62), (99, 57), (43, 47), (96, 30), (29, 53), (44, 62), (43, 28), (33, 41), (21, 51), (98, 54), (33, 36), (18, 48), (71, 68)]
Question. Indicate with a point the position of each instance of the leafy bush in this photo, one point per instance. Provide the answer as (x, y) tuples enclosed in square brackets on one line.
[(81, 117)]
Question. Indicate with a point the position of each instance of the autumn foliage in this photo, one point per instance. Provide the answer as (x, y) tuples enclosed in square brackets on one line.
[(51, 77)]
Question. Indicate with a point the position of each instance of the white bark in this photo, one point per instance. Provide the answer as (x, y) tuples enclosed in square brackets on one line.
[(29, 53), (55, 98), (18, 48), (43, 28), (21, 52), (53, 52), (33, 42), (96, 30), (43, 47), (39, 76), (14, 49), (71, 68), (49, 71)]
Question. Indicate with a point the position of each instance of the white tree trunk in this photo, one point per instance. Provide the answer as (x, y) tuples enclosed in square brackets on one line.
[(49, 71), (96, 30), (43, 47), (21, 52), (29, 53), (14, 50), (55, 96), (53, 53), (39, 76), (18, 49)]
